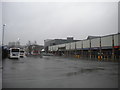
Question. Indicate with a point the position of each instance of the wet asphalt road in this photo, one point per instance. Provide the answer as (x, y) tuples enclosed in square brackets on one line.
[(0, 69), (59, 72), (0, 74)]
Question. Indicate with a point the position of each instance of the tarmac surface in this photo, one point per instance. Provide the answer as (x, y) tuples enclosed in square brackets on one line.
[(59, 72)]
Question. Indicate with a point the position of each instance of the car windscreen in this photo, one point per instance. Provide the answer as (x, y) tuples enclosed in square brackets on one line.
[(22, 51), (15, 50)]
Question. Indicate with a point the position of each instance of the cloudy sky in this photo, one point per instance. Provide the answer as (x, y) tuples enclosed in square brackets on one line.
[(0, 22), (49, 20)]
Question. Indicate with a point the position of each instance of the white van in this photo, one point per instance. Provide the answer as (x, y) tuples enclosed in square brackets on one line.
[(14, 53)]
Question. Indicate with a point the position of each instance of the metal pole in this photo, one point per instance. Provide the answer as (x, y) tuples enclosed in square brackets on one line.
[(113, 51), (3, 34)]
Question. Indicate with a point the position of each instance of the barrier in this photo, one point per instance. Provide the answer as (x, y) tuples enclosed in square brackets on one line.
[(99, 57)]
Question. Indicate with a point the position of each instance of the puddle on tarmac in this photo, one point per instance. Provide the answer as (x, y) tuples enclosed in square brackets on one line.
[(17, 62), (84, 70), (13, 68)]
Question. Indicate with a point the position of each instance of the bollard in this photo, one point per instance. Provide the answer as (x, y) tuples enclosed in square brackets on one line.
[(100, 58)]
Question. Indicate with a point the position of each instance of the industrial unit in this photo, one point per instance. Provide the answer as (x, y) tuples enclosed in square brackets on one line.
[(50, 42), (102, 48)]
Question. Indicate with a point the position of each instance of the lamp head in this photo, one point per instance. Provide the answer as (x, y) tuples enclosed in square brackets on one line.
[(4, 24)]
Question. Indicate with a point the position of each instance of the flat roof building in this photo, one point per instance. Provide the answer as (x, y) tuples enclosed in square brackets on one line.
[(50, 42)]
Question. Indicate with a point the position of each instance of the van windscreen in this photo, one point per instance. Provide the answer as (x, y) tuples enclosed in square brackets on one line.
[(15, 50)]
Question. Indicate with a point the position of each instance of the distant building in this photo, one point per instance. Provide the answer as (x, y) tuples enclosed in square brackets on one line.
[(31, 48), (91, 37), (50, 42), (17, 44), (14, 44)]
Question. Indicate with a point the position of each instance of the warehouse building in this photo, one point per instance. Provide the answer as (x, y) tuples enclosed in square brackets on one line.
[(102, 48), (51, 42), (33, 48)]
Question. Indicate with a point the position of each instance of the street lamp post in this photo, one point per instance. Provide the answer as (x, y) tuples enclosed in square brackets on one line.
[(3, 34)]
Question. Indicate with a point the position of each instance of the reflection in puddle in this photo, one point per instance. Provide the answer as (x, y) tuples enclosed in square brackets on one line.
[(85, 70), (13, 68), (17, 62), (47, 58), (115, 74)]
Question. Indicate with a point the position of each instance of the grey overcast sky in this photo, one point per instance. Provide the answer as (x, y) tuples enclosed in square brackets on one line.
[(58, 20), (0, 14)]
